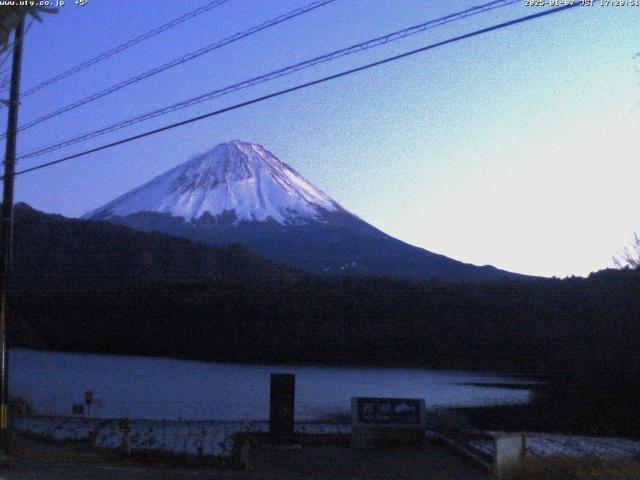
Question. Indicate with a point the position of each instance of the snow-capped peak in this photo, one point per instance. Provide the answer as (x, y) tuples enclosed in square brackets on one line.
[(237, 177)]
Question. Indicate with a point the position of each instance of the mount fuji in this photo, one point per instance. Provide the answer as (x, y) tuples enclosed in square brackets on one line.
[(239, 192)]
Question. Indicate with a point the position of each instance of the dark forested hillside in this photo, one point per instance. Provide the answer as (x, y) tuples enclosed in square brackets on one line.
[(54, 252), (148, 289), (108, 289), (536, 327)]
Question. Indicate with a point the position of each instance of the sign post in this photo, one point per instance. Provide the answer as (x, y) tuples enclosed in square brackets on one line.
[(88, 401)]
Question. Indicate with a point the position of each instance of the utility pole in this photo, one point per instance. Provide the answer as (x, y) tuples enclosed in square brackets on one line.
[(6, 234)]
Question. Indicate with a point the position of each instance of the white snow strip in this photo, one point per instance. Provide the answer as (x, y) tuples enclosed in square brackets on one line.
[(548, 444), (198, 438), (213, 438)]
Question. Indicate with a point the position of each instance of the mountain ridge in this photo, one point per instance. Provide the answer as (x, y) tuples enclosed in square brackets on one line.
[(52, 251), (235, 176), (239, 192)]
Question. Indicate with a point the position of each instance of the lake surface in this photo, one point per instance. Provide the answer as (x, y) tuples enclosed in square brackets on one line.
[(156, 388)]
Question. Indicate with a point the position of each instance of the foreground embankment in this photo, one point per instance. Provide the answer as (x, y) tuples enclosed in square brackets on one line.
[(215, 439)]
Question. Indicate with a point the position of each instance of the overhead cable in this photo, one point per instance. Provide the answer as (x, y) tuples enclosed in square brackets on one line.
[(302, 86), (375, 42)]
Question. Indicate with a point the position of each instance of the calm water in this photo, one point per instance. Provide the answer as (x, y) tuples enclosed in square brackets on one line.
[(141, 387)]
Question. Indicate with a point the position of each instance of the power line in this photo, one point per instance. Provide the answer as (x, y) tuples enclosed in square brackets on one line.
[(7, 54), (120, 48), (303, 86), (178, 61), (391, 37), (6, 57), (3, 83)]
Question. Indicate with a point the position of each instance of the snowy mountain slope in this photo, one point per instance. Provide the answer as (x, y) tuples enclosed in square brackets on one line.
[(234, 177), (239, 192)]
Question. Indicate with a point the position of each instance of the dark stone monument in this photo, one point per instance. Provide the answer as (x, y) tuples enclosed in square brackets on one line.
[(282, 399)]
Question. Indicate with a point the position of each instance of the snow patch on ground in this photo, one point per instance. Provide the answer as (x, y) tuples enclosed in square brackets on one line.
[(547, 444), (199, 438), (215, 439)]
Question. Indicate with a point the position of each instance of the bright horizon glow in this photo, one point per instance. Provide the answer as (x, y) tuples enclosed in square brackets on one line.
[(516, 149)]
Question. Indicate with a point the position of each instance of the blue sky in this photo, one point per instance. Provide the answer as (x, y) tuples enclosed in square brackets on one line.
[(517, 148)]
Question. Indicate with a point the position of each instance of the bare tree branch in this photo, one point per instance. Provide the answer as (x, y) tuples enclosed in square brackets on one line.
[(629, 257)]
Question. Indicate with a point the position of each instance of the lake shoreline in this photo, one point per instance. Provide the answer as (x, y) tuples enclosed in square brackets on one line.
[(513, 373), (152, 387)]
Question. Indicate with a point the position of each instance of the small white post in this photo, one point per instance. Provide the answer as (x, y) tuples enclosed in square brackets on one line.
[(508, 449)]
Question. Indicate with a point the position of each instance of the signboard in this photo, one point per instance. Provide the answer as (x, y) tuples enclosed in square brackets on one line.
[(386, 421), (386, 411)]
